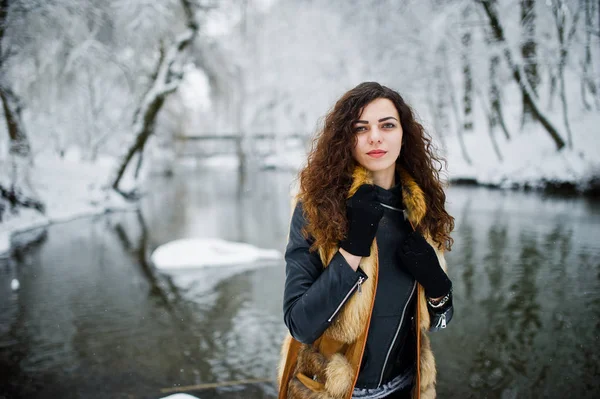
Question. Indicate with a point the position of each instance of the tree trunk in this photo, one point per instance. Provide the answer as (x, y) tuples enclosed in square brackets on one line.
[(441, 112), (492, 124), (563, 99), (467, 73), (552, 77), (528, 52), (437, 121), (564, 40), (240, 102), (587, 80), (166, 80), (495, 113), (145, 127), (455, 107), (518, 74), (20, 192)]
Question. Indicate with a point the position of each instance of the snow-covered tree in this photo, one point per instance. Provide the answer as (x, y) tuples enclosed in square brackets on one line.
[(529, 54), (15, 188)]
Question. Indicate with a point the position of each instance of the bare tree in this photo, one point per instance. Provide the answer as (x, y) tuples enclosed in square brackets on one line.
[(437, 104), (239, 104), (20, 191), (489, 111), (518, 73), (466, 40), (561, 15), (587, 80), (443, 54), (528, 52), (495, 115), (167, 77)]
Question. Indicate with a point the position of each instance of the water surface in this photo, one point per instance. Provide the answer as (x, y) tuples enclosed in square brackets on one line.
[(93, 319)]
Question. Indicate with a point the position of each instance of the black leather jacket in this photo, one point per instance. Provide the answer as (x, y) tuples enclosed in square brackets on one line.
[(313, 295)]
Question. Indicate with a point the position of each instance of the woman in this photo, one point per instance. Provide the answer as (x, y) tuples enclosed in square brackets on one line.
[(365, 271)]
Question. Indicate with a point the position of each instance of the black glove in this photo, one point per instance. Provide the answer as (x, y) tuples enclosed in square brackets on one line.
[(364, 212), (420, 260)]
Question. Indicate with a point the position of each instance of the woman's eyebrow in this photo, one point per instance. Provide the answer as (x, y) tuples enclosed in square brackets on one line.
[(381, 120)]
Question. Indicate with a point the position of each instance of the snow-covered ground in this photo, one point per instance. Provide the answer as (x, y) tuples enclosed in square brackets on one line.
[(530, 157), (70, 188)]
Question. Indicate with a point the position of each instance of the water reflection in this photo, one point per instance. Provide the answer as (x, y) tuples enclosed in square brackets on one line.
[(522, 325), (93, 316)]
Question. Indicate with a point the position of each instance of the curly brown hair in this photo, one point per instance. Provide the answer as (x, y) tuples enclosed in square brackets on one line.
[(327, 177)]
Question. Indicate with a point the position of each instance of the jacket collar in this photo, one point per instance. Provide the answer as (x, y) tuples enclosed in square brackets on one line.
[(412, 195)]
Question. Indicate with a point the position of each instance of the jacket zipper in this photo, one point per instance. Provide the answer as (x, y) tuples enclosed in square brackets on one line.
[(397, 331), (442, 321), (354, 287)]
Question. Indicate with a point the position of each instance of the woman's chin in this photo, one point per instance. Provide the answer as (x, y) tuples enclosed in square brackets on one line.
[(375, 167)]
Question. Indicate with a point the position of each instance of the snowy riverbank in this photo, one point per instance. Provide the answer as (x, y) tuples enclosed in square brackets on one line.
[(530, 159), (70, 188), (524, 165), (527, 160)]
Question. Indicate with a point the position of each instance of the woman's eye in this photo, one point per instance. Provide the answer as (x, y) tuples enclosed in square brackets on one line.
[(389, 126), (359, 129)]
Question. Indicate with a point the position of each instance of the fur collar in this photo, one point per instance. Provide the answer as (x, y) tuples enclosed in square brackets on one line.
[(412, 195)]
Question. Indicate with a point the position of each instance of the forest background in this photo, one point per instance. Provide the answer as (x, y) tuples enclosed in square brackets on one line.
[(96, 96)]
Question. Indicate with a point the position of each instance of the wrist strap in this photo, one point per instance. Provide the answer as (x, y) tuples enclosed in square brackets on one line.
[(441, 302)]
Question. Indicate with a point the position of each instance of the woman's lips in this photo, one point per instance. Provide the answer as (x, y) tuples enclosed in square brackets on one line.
[(376, 153)]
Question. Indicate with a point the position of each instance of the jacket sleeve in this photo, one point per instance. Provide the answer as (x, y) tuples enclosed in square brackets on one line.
[(313, 293)]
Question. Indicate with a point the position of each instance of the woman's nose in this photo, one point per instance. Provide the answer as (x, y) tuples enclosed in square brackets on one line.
[(374, 136)]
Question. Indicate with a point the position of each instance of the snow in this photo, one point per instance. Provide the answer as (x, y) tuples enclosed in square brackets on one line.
[(194, 253), (70, 188), (270, 71), (294, 77), (530, 157), (220, 161), (197, 265), (180, 396), (285, 160)]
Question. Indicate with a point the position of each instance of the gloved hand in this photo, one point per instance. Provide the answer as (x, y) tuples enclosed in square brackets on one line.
[(422, 263), (364, 212)]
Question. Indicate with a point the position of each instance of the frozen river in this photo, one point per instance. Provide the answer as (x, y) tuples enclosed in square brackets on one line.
[(93, 319)]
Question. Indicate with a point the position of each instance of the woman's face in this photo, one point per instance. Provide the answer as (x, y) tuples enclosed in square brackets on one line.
[(379, 136)]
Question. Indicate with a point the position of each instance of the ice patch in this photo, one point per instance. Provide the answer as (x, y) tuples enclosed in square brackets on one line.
[(201, 253)]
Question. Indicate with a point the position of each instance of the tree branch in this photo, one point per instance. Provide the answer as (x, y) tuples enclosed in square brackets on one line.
[(518, 74), (166, 81)]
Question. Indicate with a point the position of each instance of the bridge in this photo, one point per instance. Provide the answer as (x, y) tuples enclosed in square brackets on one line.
[(252, 144)]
